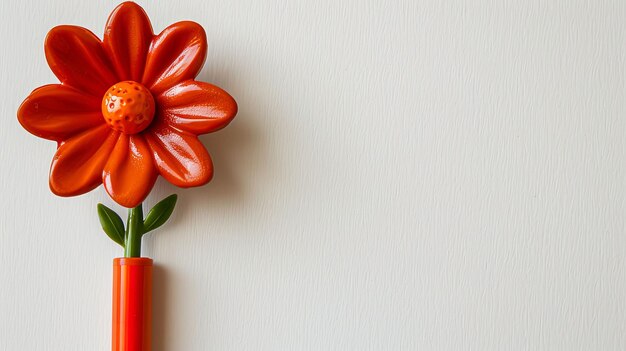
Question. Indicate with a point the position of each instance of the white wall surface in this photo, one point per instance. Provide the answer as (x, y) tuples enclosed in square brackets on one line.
[(402, 175)]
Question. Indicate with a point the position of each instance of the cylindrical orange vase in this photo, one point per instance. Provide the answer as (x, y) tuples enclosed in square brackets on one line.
[(132, 304)]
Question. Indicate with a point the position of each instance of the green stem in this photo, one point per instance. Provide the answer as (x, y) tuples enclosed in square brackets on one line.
[(134, 231)]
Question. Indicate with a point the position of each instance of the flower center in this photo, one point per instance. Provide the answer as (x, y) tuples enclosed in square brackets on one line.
[(128, 107)]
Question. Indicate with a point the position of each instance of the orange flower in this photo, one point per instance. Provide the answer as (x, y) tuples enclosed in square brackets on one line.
[(128, 108)]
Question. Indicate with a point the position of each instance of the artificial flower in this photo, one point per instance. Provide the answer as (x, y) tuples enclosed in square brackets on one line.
[(128, 108)]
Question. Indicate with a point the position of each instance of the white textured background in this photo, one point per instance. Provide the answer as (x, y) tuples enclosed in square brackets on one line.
[(435, 175)]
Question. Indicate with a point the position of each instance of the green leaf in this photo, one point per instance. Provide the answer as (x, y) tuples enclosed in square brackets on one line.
[(160, 213), (111, 224)]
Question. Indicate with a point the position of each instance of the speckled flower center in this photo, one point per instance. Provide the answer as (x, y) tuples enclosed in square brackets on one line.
[(128, 107)]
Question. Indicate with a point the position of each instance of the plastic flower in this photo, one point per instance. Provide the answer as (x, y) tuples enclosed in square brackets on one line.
[(128, 108)]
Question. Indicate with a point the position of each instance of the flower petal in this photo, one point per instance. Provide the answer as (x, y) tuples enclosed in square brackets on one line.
[(196, 107), (179, 156), (77, 58), (57, 112), (129, 174), (78, 163), (176, 54), (127, 37)]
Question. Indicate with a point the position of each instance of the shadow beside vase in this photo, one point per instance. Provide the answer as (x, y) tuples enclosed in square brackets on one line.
[(160, 296)]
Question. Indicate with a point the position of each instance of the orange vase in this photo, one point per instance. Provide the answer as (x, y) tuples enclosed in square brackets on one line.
[(132, 304)]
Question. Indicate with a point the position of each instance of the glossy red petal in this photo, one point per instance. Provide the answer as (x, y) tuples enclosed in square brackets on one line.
[(176, 54), (129, 174), (196, 107), (77, 58), (57, 112), (78, 163), (179, 156), (127, 37)]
